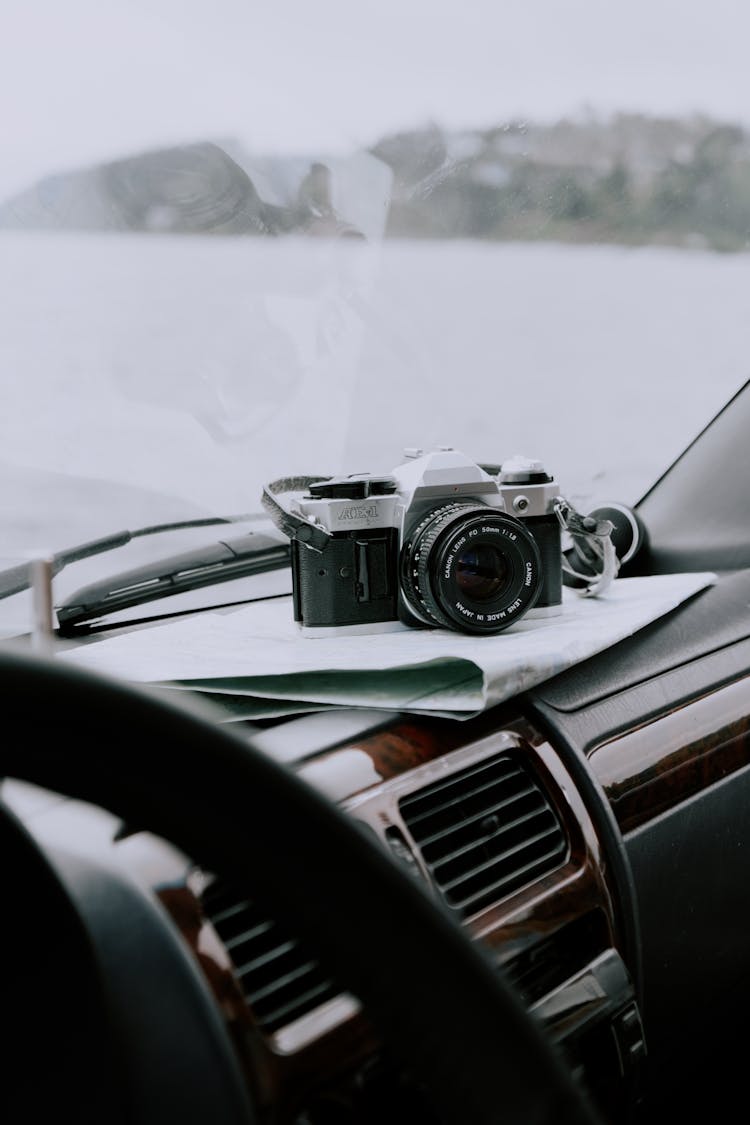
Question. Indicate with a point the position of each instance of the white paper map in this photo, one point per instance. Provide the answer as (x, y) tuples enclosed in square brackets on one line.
[(255, 661)]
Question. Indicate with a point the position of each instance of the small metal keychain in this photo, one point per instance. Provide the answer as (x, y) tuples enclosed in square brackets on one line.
[(593, 543)]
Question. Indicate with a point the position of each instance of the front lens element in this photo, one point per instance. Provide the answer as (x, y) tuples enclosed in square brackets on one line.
[(483, 572)]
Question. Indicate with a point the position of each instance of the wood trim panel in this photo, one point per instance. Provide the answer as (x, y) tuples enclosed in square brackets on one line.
[(664, 762)]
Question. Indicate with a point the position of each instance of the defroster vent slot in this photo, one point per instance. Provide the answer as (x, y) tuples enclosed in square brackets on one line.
[(484, 832)]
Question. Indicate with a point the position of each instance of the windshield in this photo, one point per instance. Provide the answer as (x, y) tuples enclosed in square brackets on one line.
[(244, 241)]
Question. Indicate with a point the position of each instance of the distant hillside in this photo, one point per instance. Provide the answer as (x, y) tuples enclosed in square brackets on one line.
[(627, 179)]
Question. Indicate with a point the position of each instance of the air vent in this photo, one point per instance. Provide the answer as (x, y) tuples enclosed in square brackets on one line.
[(484, 832), (281, 980)]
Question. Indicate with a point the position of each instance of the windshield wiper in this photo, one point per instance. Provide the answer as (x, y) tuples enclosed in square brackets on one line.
[(252, 553), (18, 578)]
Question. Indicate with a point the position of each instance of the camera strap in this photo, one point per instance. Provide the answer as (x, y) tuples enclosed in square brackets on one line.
[(292, 523), (592, 540)]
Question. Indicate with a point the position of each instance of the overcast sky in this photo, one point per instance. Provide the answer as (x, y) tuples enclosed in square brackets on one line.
[(82, 80)]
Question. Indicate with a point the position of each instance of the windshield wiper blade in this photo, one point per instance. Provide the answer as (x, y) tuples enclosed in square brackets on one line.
[(18, 578), (252, 553)]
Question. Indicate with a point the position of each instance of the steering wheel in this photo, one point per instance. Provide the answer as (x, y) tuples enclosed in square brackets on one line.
[(432, 994)]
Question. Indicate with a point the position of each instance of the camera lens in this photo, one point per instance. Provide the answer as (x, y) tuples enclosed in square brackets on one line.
[(470, 567), (482, 572)]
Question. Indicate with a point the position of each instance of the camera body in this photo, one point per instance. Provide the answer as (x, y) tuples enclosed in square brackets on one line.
[(439, 542)]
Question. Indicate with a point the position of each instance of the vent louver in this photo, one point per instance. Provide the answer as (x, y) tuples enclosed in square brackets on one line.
[(280, 979), (484, 832)]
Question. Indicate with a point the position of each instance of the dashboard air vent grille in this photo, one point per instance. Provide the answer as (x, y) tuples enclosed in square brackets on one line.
[(281, 980), (484, 832)]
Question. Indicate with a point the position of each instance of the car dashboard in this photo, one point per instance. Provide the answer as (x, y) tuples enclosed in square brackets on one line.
[(573, 831)]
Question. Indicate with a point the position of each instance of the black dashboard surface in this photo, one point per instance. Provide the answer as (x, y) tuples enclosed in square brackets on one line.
[(698, 646)]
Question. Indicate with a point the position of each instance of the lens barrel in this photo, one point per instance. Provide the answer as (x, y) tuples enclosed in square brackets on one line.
[(471, 568)]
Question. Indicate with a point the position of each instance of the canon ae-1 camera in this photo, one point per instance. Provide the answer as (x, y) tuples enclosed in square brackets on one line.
[(438, 542)]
